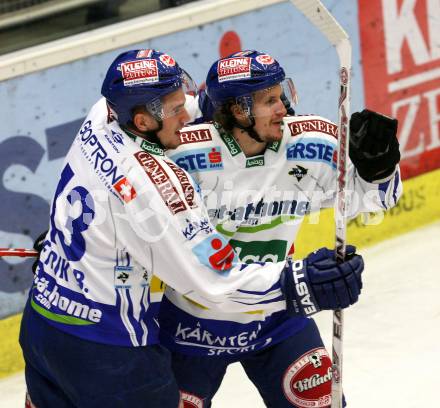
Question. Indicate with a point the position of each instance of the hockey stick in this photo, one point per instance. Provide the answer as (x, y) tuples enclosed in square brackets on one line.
[(21, 252), (321, 18)]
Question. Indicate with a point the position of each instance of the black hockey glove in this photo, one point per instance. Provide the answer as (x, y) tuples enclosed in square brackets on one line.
[(374, 148), (38, 246), (318, 282)]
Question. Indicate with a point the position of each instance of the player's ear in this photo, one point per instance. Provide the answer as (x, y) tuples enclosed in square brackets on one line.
[(143, 121)]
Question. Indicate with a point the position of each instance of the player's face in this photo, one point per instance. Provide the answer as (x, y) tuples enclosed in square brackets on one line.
[(174, 118), (268, 111)]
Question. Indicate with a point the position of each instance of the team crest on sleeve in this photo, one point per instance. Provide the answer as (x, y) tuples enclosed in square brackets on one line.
[(307, 381)]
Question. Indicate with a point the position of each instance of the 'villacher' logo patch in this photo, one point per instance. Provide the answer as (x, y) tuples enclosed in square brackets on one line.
[(307, 381), (188, 400)]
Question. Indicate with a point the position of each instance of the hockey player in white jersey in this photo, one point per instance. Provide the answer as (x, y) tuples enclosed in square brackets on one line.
[(261, 172), (122, 212)]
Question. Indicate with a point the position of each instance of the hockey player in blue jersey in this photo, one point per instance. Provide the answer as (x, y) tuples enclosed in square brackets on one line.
[(261, 171), (123, 211)]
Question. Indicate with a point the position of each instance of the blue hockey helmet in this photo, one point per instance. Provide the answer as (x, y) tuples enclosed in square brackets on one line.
[(142, 78), (242, 74)]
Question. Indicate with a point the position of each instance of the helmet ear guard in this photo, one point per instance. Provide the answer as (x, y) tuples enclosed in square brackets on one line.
[(245, 103)]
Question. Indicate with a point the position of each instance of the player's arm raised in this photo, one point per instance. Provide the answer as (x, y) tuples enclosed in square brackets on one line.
[(373, 174), (374, 152)]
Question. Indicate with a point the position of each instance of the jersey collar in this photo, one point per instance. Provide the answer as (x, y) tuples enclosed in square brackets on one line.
[(146, 145), (270, 153)]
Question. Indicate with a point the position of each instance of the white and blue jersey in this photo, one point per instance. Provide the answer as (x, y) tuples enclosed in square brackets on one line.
[(123, 212), (258, 204)]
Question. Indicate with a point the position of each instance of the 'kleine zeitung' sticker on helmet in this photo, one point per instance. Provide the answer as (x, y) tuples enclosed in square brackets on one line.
[(144, 53), (265, 59), (230, 69), (140, 72), (168, 60)]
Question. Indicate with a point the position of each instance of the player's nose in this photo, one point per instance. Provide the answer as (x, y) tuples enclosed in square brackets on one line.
[(185, 117), (280, 109)]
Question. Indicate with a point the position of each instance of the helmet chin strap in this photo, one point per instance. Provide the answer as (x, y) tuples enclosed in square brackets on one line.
[(250, 129), (246, 104), (150, 135)]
